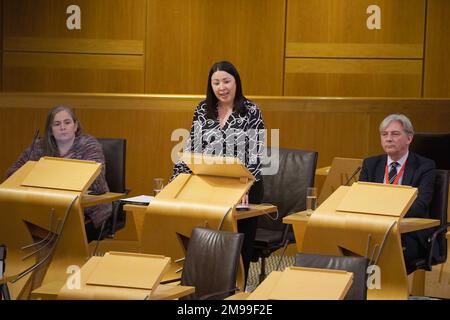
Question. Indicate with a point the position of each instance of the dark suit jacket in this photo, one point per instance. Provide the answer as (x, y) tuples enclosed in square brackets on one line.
[(419, 172)]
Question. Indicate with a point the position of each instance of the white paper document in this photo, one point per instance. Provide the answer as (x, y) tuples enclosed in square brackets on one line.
[(143, 199)]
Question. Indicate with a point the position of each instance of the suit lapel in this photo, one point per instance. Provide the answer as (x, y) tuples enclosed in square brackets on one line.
[(408, 174), (380, 169)]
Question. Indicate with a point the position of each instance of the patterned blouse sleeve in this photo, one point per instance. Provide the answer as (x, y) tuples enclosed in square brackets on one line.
[(93, 151), (34, 152), (256, 139), (24, 157)]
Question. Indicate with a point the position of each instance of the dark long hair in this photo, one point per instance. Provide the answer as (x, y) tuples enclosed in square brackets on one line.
[(50, 146), (211, 99)]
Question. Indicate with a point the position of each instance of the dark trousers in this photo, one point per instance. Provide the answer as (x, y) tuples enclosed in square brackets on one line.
[(92, 233), (248, 226)]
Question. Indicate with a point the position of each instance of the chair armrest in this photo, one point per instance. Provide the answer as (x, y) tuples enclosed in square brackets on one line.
[(440, 230)]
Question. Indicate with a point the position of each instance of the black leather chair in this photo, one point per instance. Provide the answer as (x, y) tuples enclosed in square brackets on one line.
[(287, 191), (437, 250), (211, 263), (115, 156), (357, 265), (434, 146)]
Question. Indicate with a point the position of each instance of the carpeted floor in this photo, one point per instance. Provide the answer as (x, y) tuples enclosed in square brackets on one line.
[(271, 265)]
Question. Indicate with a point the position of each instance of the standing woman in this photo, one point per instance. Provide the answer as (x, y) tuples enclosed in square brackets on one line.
[(64, 138), (228, 124)]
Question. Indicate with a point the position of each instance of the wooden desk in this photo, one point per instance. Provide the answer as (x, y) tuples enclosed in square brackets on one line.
[(129, 238), (414, 224), (304, 284), (395, 281), (138, 212), (299, 222), (323, 171), (88, 200), (255, 210), (94, 292)]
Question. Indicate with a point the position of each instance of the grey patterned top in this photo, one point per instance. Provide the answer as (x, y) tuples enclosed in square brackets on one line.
[(242, 136)]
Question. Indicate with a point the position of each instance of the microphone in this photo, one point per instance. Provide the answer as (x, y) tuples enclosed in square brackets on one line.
[(33, 144), (353, 175)]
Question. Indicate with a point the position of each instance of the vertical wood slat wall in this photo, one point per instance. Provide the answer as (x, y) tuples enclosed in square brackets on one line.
[(1, 44), (281, 47), (437, 50)]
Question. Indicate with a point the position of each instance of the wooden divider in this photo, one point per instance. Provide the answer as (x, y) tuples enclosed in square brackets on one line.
[(342, 127)]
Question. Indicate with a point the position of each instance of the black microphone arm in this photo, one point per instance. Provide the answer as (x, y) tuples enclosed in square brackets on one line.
[(353, 175)]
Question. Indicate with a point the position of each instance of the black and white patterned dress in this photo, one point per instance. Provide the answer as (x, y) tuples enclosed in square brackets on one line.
[(242, 136)]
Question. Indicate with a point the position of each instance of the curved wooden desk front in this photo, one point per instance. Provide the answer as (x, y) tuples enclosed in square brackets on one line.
[(328, 231), (22, 206)]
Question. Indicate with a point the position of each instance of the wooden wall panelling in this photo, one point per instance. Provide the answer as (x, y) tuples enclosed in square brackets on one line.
[(353, 77), (437, 52), (1, 42), (324, 28), (436, 119), (73, 72), (333, 127), (186, 37), (106, 55), (331, 52), (107, 26)]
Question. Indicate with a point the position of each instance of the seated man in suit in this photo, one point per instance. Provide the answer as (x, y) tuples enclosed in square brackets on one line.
[(399, 166)]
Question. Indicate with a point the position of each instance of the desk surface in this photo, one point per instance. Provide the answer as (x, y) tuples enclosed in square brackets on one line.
[(255, 210), (88, 200), (323, 171), (94, 292), (405, 225), (304, 284)]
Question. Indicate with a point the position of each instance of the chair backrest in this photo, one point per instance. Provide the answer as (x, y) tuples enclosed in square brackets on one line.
[(211, 262), (287, 188), (434, 146), (115, 155), (357, 265), (438, 210)]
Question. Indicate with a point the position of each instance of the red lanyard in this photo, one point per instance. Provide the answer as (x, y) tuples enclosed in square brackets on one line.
[(399, 174)]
